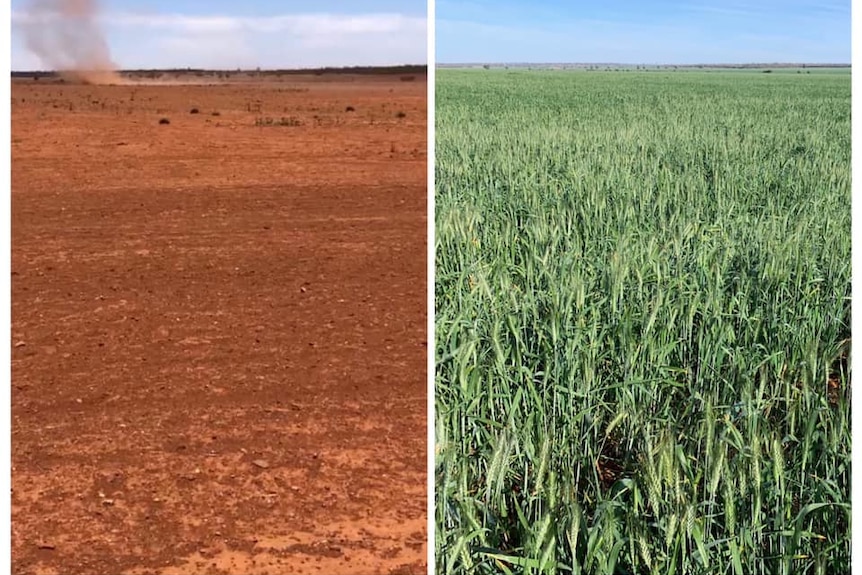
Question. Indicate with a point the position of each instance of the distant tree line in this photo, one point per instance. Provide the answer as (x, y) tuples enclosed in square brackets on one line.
[(371, 70)]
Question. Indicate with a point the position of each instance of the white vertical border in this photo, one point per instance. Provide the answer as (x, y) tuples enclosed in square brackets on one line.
[(5, 287), (431, 348), (856, 288)]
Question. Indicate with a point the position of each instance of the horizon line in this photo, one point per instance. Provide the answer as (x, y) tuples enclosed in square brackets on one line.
[(261, 70), (695, 65)]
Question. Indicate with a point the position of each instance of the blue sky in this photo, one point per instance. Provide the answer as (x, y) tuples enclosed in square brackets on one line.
[(643, 32), (264, 33)]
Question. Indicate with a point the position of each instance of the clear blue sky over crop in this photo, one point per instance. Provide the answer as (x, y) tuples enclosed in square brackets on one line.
[(262, 33), (643, 31)]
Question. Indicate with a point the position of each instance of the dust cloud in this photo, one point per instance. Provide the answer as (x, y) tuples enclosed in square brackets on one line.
[(67, 37)]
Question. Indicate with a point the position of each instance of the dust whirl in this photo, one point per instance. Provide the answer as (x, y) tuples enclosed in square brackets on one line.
[(67, 37)]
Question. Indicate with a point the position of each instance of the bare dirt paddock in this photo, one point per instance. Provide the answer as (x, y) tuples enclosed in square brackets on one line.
[(218, 327)]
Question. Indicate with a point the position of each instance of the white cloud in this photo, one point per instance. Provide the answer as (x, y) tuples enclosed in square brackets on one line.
[(25, 60), (174, 22), (204, 51), (140, 40), (303, 24)]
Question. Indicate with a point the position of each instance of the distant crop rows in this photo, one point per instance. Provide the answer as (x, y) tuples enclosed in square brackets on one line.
[(642, 323)]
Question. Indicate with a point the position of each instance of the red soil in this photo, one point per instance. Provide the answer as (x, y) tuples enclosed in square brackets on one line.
[(218, 329)]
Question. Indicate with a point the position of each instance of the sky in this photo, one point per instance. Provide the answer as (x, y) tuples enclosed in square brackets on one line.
[(643, 31), (221, 34)]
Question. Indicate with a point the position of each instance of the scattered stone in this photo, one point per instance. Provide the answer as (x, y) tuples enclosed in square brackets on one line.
[(262, 463)]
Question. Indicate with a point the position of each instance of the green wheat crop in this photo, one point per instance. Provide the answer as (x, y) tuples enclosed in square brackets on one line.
[(642, 323)]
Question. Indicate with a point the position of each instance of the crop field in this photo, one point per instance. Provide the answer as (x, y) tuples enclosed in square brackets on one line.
[(218, 325), (642, 322)]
